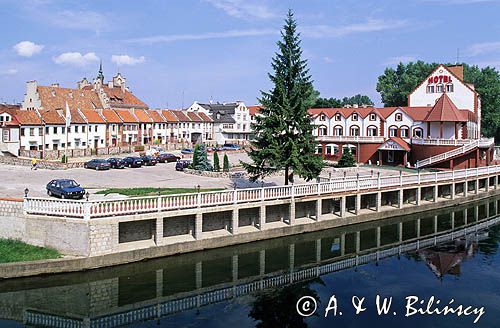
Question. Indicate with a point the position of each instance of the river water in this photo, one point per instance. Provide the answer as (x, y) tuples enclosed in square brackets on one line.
[(447, 254)]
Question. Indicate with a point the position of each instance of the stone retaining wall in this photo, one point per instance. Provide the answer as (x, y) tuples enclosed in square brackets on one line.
[(231, 175), (42, 164)]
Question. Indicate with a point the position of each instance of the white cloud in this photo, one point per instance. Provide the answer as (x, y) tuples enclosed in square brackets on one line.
[(10, 71), (27, 48), (127, 60), (371, 25), (76, 58), (483, 48), (400, 59), (79, 20), (243, 8), (203, 36)]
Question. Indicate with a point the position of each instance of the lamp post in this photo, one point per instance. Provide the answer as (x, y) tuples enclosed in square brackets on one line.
[(87, 195), (26, 191)]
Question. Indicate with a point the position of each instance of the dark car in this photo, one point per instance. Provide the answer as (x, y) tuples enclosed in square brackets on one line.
[(133, 161), (116, 163), (97, 164), (187, 151), (149, 160), (167, 158), (65, 188), (182, 164), (229, 146)]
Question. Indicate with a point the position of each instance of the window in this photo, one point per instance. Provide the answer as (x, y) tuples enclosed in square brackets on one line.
[(76, 129), (55, 129), (6, 135), (322, 117), (430, 89), (323, 131), (40, 132), (354, 117), (404, 132), (418, 133), (449, 87), (32, 131), (69, 129), (372, 131), (63, 130), (399, 117), (83, 128), (439, 88), (337, 131), (354, 131), (393, 131), (390, 156), (22, 132), (373, 117), (337, 117)]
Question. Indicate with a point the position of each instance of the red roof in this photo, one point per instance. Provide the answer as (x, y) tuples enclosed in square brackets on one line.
[(126, 116), (111, 116), (52, 117), (416, 113), (169, 116), (155, 115), (403, 144), (193, 117), (28, 117), (53, 98), (204, 117), (93, 116), (142, 116), (181, 116), (252, 110), (445, 111), (122, 97)]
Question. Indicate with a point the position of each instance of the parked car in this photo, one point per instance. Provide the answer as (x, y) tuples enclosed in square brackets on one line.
[(97, 164), (182, 164), (167, 158), (149, 160), (116, 163), (133, 161), (186, 151), (229, 146), (65, 188)]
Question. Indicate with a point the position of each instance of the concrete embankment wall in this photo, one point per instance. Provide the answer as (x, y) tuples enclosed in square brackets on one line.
[(104, 234)]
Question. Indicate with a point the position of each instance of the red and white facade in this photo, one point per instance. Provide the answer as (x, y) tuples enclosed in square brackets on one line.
[(440, 127)]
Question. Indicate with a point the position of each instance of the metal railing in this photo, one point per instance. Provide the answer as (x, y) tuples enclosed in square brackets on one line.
[(355, 139), (137, 205)]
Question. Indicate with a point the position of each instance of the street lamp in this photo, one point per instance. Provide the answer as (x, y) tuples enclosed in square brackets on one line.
[(87, 195), (198, 188), (26, 191)]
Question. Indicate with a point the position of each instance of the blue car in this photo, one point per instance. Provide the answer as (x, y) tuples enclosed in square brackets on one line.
[(65, 188), (187, 151), (231, 147)]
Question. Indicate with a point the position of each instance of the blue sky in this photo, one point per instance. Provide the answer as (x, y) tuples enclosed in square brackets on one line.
[(175, 52)]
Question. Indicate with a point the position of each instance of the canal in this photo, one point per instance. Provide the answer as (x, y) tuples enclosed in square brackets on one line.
[(450, 254)]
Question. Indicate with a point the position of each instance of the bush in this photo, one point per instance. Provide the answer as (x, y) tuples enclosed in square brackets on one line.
[(347, 159), (216, 162), (64, 159), (226, 164)]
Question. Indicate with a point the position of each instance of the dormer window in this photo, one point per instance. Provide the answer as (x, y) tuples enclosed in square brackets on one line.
[(354, 117), (322, 117), (373, 117), (337, 117), (218, 116), (449, 87), (439, 88), (399, 117)]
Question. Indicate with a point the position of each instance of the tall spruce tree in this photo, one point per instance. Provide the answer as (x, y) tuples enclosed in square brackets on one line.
[(284, 132)]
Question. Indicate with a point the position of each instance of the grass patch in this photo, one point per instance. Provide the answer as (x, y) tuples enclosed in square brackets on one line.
[(152, 191), (17, 251)]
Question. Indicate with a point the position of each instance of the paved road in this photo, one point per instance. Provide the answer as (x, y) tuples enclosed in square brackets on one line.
[(16, 178)]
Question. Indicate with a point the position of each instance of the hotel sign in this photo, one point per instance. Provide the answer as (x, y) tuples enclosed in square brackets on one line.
[(439, 79)]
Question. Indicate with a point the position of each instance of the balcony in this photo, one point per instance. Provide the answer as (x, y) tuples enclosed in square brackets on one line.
[(483, 142)]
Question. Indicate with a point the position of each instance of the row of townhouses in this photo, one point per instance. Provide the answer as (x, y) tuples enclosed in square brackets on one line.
[(440, 127), (109, 115)]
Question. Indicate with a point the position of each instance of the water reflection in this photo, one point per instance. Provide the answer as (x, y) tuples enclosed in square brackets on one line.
[(274, 273)]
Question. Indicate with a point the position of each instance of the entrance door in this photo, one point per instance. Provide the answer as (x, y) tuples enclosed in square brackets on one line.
[(390, 156), (96, 143)]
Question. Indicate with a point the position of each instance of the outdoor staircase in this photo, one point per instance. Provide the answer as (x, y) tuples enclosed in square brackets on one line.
[(454, 152)]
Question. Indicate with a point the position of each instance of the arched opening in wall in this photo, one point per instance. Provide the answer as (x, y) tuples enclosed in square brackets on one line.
[(404, 131), (338, 130), (418, 133), (338, 117), (398, 117), (393, 131), (322, 130), (372, 131), (332, 150), (354, 131)]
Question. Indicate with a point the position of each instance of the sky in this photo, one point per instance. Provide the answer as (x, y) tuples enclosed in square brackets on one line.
[(174, 52)]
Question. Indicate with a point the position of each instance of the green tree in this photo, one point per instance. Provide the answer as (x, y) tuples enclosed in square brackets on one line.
[(396, 84), (283, 131), (200, 159), (336, 103), (347, 159), (196, 156), (225, 167), (216, 162)]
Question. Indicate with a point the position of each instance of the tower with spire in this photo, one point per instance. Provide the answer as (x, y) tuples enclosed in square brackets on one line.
[(100, 75)]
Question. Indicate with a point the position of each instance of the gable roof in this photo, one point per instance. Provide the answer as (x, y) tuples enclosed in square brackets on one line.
[(53, 98), (204, 117), (169, 116), (28, 117), (111, 116), (156, 116), (119, 97), (93, 116), (126, 116), (252, 110), (400, 142), (181, 116), (416, 113), (142, 116), (445, 111), (194, 117), (52, 117)]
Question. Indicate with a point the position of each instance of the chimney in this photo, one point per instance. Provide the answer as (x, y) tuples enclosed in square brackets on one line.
[(458, 70), (55, 85)]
